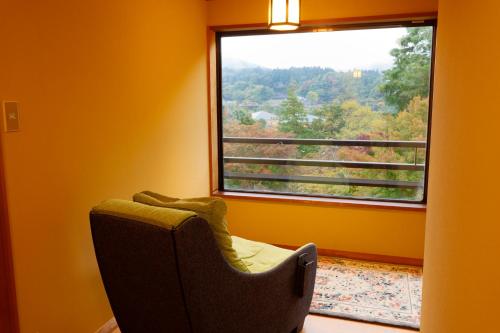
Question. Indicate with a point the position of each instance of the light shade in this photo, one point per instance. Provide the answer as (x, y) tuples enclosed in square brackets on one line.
[(284, 14)]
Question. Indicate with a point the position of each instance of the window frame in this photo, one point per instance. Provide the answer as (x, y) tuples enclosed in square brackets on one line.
[(215, 102)]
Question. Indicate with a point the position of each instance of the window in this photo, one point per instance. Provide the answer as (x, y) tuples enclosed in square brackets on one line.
[(337, 112)]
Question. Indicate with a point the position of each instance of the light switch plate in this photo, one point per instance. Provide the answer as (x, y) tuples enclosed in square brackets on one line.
[(11, 116)]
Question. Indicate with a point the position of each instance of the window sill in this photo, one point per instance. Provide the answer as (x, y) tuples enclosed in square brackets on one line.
[(319, 201)]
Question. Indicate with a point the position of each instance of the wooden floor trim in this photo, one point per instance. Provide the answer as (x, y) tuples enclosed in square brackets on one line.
[(313, 324), (364, 256)]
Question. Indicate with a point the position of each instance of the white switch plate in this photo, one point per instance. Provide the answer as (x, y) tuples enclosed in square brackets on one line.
[(10, 116)]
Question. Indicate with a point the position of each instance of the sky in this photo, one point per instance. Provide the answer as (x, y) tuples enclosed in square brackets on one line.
[(340, 50)]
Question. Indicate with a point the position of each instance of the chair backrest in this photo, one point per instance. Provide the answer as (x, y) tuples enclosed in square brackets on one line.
[(139, 269), (221, 299)]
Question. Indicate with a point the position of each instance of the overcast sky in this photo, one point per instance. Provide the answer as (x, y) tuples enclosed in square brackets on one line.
[(340, 50)]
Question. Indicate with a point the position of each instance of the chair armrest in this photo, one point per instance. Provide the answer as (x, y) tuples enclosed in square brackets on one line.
[(304, 267), (304, 262)]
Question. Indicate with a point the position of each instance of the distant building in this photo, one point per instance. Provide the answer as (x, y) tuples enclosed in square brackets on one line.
[(264, 115)]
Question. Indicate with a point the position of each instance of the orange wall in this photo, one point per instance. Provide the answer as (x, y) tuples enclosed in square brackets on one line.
[(223, 12), (378, 231), (461, 276), (366, 230), (113, 100)]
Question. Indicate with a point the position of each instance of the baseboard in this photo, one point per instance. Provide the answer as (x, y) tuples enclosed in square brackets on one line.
[(110, 327), (363, 256)]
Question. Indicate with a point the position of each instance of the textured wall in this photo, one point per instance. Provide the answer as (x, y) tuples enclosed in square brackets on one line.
[(461, 275), (113, 100)]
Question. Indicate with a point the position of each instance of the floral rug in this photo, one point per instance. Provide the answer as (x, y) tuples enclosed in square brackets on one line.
[(368, 291)]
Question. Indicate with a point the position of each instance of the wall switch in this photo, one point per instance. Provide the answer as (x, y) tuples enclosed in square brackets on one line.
[(11, 116)]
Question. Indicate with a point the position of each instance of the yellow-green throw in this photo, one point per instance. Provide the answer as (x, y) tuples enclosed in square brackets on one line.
[(162, 217), (211, 209)]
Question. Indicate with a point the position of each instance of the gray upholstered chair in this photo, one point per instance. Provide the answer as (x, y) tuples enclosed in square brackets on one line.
[(166, 274)]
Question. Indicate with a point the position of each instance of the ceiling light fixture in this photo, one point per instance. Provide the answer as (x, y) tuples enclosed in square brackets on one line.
[(284, 14)]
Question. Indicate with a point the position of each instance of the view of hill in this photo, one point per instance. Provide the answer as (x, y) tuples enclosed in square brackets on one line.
[(321, 103), (233, 63), (314, 85)]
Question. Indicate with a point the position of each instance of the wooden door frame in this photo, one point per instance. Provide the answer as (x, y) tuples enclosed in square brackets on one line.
[(9, 321)]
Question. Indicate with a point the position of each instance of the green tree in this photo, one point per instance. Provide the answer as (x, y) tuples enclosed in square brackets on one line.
[(258, 93), (330, 121), (292, 116), (409, 77), (244, 117)]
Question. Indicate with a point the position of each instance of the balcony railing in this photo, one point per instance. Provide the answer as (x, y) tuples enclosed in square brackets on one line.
[(327, 163)]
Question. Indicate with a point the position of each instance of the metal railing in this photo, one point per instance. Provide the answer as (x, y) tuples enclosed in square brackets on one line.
[(327, 163)]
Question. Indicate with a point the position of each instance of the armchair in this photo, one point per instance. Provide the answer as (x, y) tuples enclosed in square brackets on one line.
[(165, 273)]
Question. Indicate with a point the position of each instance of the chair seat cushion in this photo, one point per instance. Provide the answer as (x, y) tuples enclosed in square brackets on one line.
[(259, 257)]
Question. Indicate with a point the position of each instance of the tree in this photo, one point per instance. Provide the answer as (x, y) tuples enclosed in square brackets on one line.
[(330, 121), (360, 120), (244, 117), (409, 77), (258, 93), (411, 124), (292, 116)]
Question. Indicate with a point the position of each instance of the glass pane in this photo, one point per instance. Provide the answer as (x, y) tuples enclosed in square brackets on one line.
[(339, 113), (279, 11), (294, 11)]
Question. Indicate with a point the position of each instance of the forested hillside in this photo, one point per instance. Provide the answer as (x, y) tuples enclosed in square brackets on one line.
[(321, 103), (314, 85)]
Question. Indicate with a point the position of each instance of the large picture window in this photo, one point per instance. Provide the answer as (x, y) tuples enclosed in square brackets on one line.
[(338, 112)]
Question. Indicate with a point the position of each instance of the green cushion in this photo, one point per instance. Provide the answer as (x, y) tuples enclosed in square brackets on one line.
[(162, 217), (211, 209), (259, 257)]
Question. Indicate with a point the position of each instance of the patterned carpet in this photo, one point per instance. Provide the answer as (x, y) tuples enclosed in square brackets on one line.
[(367, 291)]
